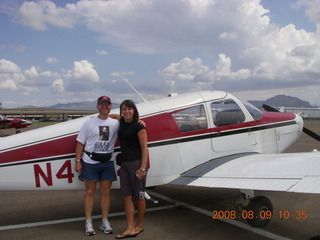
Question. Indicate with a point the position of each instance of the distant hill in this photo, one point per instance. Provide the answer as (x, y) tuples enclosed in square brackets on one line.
[(282, 100), (277, 101), (79, 105), (75, 106)]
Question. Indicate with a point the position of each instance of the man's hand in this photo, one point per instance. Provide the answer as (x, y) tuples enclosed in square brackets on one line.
[(142, 123), (78, 167)]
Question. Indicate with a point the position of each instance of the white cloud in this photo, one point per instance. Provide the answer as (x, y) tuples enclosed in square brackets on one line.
[(7, 66), (187, 69), (237, 34), (58, 86), (12, 77), (166, 26), (50, 74), (7, 84), (193, 70), (31, 73), (226, 35), (38, 15), (51, 60), (83, 71), (19, 48), (101, 52), (312, 10), (28, 81)]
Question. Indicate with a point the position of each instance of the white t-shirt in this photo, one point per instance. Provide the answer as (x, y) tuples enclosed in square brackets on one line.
[(98, 136)]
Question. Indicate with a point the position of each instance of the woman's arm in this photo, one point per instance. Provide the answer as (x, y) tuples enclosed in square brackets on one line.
[(142, 135)]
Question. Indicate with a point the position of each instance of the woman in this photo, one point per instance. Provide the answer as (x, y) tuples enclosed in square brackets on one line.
[(133, 142)]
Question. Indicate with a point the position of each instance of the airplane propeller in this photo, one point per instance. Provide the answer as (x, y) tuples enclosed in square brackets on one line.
[(305, 130)]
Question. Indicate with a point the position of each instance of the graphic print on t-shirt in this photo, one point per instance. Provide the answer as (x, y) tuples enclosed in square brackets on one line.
[(104, 133), (102, 145)]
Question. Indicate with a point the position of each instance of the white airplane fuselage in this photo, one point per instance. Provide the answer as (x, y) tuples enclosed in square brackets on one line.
[(184, 131)]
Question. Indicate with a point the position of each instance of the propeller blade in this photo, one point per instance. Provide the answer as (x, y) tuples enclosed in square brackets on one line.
[(269, 108), (305, 130), (311, 134)]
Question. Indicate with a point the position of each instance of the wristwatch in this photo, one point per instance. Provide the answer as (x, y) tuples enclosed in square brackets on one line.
[(143, 169), (78, 160)]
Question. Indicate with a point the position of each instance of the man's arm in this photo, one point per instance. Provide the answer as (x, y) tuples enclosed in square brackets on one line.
[(79, 150)]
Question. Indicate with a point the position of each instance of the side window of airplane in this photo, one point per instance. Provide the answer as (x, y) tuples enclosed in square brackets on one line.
[(191, 119), (226, 112)]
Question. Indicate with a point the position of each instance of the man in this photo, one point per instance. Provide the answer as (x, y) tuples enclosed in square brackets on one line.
[(96, 139)]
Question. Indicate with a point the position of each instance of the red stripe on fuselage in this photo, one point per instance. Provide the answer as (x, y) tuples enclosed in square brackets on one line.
[(159, 127), (47, 149)]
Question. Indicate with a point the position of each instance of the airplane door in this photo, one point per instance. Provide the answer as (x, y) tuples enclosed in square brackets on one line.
[(228, 133), (194, 144)]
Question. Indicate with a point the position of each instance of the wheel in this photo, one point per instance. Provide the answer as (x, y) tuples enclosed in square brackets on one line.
[(262, 209)]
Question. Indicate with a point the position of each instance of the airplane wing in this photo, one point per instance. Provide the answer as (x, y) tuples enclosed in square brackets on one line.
[(288, 172)]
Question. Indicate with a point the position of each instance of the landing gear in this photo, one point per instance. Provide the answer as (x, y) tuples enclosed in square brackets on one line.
[(259, 209), (262, 209)]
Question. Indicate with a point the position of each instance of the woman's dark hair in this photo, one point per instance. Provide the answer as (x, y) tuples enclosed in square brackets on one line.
[(130, 104)]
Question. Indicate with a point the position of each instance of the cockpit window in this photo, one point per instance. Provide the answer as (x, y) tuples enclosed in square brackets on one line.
[(226, 112), (191, 119)]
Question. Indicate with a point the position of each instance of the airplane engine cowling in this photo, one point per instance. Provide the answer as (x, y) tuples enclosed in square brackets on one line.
[(16, 122)]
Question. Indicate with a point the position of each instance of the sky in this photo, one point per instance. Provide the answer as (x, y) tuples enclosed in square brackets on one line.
[(54, 51)]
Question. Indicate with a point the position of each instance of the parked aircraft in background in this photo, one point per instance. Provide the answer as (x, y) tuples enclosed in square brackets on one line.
[(17, 123), (208, 139)]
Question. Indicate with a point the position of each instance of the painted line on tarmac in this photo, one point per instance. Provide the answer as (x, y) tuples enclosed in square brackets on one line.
[(229, 221), (157, 195), (79, 219)]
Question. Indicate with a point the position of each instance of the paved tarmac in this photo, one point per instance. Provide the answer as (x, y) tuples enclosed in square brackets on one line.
[(182, 212)]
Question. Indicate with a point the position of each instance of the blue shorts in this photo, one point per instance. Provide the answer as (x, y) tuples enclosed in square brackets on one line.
[(102, 171)]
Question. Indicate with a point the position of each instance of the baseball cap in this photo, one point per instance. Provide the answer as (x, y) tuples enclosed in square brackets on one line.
[(103, 99)]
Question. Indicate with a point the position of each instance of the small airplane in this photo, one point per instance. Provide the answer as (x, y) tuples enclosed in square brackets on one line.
[(207, 139), (17, 123)]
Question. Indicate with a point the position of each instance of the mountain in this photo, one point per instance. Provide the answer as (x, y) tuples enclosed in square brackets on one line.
[(79, 105), (277, 101), (282, 100), (75, 106)]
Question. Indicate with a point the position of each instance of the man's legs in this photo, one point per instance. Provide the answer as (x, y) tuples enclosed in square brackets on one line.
[(89, 198), (105, 198), (88, 206)]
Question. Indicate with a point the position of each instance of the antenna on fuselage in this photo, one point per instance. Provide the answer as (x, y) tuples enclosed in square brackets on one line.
[(117, 74)]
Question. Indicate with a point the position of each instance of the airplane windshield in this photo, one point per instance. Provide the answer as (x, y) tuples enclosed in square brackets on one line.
[(191, 119), (255, 112)]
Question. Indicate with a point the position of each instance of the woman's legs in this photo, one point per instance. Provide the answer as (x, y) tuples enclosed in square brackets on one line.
[(141, 207)]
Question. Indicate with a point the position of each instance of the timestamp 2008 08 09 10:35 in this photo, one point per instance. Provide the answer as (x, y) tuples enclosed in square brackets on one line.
[(283, 214)]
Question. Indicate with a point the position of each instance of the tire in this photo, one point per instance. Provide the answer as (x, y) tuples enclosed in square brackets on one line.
[(259, 205)]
